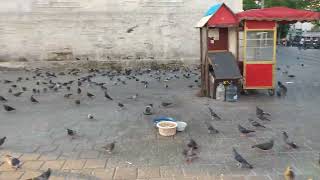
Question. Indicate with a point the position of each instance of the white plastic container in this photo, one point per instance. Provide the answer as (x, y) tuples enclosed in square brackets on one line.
[(167, 128), (181, 126), (220, 92)]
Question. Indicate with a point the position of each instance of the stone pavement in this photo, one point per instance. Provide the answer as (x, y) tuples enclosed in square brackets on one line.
[(36, 132)]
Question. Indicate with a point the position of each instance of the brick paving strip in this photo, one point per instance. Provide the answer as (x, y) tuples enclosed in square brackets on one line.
[(95, 169)]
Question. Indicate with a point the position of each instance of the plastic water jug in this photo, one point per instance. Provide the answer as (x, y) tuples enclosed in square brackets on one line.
[(220, 92), (231, 93)]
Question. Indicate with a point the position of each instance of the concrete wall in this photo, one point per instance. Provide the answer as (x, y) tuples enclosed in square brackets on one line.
[(33, 30)]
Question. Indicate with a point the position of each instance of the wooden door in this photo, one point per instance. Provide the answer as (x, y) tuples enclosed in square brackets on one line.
[(221, 43)]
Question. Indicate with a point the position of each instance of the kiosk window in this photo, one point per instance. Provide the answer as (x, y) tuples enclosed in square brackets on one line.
[(260, 46)]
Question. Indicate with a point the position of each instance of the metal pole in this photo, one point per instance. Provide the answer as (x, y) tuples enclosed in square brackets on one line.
[(262, 4)]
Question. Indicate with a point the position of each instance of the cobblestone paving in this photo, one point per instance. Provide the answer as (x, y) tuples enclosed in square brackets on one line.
[(36, 132)]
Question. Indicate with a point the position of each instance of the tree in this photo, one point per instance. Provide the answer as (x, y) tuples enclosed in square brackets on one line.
[(250, 4)]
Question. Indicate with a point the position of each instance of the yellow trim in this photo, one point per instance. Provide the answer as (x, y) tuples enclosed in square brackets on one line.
[(260, 62), (245, 54), (275, 54), (260, 29), (213, 51)]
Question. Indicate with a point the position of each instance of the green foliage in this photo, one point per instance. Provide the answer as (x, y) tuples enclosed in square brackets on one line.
[(250, 4)]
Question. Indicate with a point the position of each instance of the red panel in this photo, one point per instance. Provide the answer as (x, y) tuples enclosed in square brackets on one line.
[(223, 17), (222, 43), (260, 24), (279, 14), (259, 75)]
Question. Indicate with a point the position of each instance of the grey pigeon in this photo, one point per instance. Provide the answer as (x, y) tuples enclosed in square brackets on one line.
[(79, 91), (106, 95), (263, 118), (213, 114), (71, 132), (190, 154), (244, 163), (109, 147), (192, 144), (77, 102), (291, 144), (260, 112), (17, 94), (211, 129), (12, 161), (67, 95), (244, 131), (3, 99), (8, 108), (264, 146), (166, 104), (90, 95), (43, 176), (255, 123), (2, 140), (121, 105), (32, 99), (283, 88)]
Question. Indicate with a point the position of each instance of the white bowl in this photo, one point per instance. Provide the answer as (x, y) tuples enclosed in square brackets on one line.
[(166, 130), (181, 126)]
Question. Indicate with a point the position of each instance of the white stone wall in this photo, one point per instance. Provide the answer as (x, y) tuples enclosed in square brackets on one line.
[(98, 29)]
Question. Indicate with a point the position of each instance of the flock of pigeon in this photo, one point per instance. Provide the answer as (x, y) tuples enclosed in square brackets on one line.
[(47, 82), (192, 149)]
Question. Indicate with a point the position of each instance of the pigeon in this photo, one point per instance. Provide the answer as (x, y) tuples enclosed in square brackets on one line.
[(109, 147), (68, 88), (8, 108), (43, 176), (260, 112), (121, 105), (166, 104), (71, 132), (24, 89), (90, 95), (77, 101), (192, 144), (282, 88), (17, 94), (290, 144), (264, 146), (244, 163), (7, 81), (3, 99), (79, 91), (263, 118), (289, 174), (2, 140), (255, 123), (244, 131), (106, 95), (213, 114), (211, 129), (32, 99), (13, 162), (166, 86), (67, 95), (189, 154), (90, 116)]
